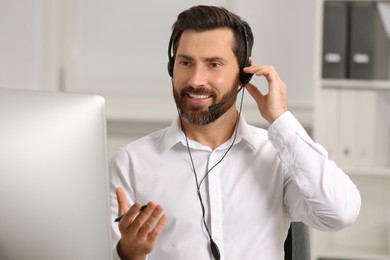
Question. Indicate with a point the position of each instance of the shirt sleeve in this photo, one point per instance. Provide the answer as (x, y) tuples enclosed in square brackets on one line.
[(316, 191)]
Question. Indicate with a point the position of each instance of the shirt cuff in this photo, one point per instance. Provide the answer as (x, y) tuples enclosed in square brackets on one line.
[(283, 127), (115, 255)]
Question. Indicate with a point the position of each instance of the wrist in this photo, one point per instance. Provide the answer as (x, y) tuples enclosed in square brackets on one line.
[(122, 255)]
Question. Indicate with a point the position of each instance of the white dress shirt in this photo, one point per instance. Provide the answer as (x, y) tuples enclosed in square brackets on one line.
[(267, 179)]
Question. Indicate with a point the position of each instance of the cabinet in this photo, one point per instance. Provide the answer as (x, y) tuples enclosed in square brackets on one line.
[(352, 120), (354, 126)]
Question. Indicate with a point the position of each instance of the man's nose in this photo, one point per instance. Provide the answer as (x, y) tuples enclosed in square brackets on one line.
[(198, 77)]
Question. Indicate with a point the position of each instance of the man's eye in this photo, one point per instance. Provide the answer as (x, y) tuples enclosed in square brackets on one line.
[(215, 65), (185, 63)]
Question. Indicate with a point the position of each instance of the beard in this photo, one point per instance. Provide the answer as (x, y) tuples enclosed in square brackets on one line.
[(199, 115)]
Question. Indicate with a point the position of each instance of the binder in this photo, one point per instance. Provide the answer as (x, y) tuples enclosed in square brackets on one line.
[(335, 40), (369, 46)]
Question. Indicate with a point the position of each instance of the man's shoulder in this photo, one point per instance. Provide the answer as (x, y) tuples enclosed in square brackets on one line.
[(152, 138), (257, 131)]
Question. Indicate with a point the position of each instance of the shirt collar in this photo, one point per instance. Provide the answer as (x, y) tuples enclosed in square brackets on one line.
[(174, 135)]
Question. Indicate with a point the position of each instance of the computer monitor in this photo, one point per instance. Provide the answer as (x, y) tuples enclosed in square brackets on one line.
[(54, 191)]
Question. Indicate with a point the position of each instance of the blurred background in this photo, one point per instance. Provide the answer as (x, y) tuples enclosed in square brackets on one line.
[(119, 49)]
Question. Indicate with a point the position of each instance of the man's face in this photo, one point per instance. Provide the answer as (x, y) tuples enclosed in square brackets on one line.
[(205, 73)]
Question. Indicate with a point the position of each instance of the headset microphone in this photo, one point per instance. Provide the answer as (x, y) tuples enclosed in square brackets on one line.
[(218, 105)]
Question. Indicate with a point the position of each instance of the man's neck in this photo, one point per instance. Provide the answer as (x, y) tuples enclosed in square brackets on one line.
[(215, 133)]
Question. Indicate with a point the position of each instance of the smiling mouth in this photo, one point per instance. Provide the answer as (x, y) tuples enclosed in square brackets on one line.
[(194, 96)]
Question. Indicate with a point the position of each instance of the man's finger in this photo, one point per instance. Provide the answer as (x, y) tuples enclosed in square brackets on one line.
[(151, 220), (122, 201), (158, 228), (254, 91)]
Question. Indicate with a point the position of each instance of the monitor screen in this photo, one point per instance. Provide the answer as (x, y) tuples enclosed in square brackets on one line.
[(54, 191)]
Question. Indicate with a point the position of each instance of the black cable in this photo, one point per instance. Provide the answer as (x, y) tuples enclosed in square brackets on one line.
[(213, 246)]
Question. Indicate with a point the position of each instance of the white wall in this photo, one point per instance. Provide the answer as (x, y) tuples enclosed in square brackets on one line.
[(121, 46), (21, 44)]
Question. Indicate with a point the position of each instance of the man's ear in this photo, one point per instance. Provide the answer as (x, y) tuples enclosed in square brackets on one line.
[(250, 60)]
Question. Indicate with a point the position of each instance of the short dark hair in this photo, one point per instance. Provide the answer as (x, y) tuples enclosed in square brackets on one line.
[(203, 18)]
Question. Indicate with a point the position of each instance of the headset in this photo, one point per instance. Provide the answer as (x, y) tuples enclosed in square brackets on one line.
[(244, 77)]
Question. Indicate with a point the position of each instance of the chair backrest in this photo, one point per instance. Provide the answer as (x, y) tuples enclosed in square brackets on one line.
[(297, 244)]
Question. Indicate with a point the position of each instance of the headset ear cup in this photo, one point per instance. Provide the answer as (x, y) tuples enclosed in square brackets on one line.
[(171, 58), (245, 77), (170, 67)]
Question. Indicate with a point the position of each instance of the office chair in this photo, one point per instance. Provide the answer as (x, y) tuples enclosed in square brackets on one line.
[(297, 243)]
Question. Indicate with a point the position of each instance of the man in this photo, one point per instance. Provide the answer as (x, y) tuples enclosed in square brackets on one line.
[(229, 190)]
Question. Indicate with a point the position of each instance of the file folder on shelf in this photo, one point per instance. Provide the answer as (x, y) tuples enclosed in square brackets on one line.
[(369, 45), (335, 40)]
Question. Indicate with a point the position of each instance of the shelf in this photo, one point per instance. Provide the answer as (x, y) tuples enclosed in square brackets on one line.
[(367, 171), (349, 256), (351, 120), (332, 251), (356, 84)]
